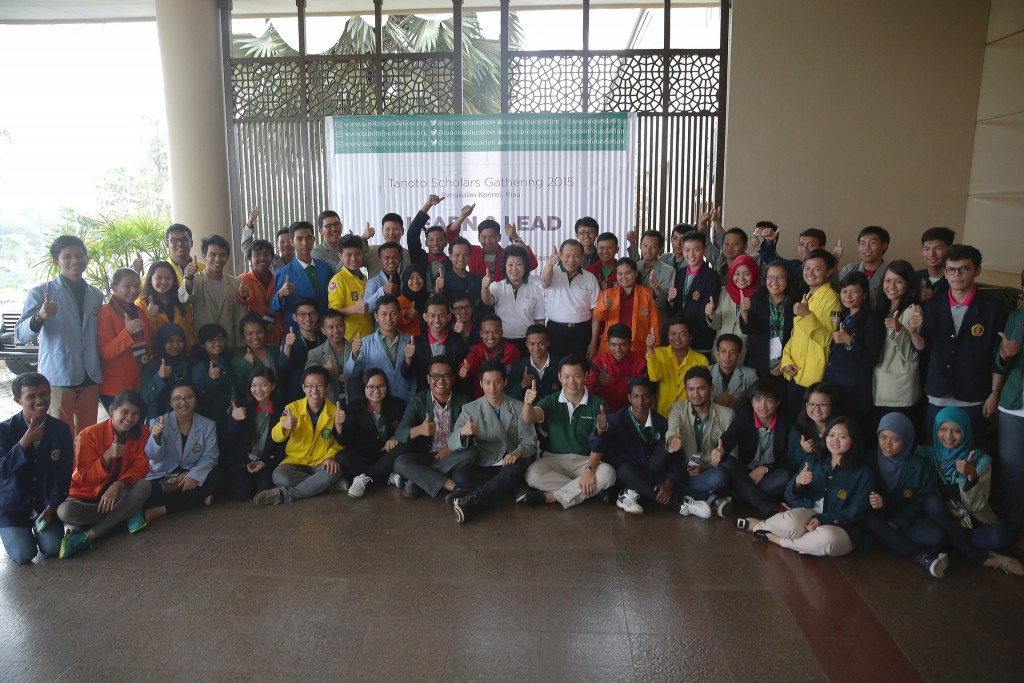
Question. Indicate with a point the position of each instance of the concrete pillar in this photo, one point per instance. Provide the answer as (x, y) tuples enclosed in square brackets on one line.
[(190, 51)]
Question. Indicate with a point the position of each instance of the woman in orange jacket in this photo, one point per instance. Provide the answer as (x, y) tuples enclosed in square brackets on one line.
[(627, 303), (108, 485), (124, 337)]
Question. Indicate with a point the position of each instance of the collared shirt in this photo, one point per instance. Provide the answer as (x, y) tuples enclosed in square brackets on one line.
[(443, 419), (436, 345), (517, 308), (570, 427), (959, 310), (571, 300), (765, 442), (540, 370), (390, 346)]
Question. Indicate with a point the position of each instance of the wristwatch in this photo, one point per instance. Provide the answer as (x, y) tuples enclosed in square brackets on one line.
[(591, 469)]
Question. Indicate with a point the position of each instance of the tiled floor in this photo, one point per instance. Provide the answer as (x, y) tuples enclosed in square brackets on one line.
[(388, 589)]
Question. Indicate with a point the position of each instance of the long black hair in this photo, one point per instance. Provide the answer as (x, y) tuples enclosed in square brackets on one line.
[(134, 398), (172, 303), (854, 457), (904, 270)]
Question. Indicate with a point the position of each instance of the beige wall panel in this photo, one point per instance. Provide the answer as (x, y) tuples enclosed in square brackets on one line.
[(998, 165), (995, 224), (1005, 18), (843, 115), (1002, 79)]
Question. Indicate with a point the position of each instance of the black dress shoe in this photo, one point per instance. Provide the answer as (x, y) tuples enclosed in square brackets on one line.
[(532, 498)]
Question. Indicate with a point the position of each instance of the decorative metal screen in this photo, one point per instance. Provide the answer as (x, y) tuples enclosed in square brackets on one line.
[(277, 106)]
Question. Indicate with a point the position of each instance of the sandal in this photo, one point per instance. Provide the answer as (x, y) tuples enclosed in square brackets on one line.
[(743, 524)]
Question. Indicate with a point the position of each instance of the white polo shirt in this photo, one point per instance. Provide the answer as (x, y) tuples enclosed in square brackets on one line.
[(517, 309), (571, 301)]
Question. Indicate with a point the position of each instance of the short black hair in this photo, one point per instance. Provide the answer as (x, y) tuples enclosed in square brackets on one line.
[(766, 224), (488, 224), (585, 222), (963, 252), (388, 300), (490, 318), (386, 245), (570, 243), (729, 337), (640, 381), (679, 320), (695, 236), (392, 218), (438, 300), (656, 234), (620, 331), (350, 242), (681, 228), (442, 359), (940, 234), (304, 301), (300, 225), (331, 313), (881, 233), (493, 365), (740, 232), (27, 379), (326, 213), (251, 318), (462, 241), (824, 255), (607, 236), (283, 231), (177, 227), (214, 240), (537, 328), (258, 245), (572, 360), (626, 261), (316, 370), (816, 234), (766, 387), (698, 372), (65, 241)]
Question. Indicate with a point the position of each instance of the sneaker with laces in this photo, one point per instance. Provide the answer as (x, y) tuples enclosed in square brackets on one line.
[(465, 507), (627, 502), (936, 564), (357, 489), (697, 508), (137, 522), (396, 480), (459, 492), (532, 498), (339, 486), (268, 497), (723, 507), (410, 489), (73, 542)]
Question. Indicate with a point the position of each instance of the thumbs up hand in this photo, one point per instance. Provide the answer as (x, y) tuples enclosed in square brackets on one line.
[(165, 369), (875, 500), (652, 340), (289, 339), (428, 427), (439, 282), (152, 310), (892, 323), (709, 309), (214, 371), (157, 428), (802, 309), (48, 308), (469, 428), (718, 453), (410, 350), (842, 336), (137, 263), (357, 344), (916, 319), (368, 233), (744, 304), (287, 289), (673, 292), (631, 235), (530, 395), (806, 476), (1008, 348), (806, 445), (288, 421), (243, 290), (653, 283), (608, 301), (674, 442), (134, 326), (191, 268), (602, 420), (339, 419), (967, 467), (238, 412), (837, 250), (553, 259)]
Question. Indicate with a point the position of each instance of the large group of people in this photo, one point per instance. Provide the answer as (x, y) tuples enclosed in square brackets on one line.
[(823, 408)]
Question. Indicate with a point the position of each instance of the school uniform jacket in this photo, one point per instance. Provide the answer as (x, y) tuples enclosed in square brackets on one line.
[(758, 331), (120, 368), (296, 275), (905, 504), (420, 405), (92, 476), (308, 444), (373, 355), (706, 284), (68, 342), (850, 367), (622, 444), (646, 317), (681, 417), (742, 435), (812, 338), (205, 309), (258, 301), (199, 455), (359, 433), (843, 490), (36, 477), (496, 434)]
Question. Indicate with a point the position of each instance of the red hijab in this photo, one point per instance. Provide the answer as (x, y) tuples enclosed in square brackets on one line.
[(755, 277)]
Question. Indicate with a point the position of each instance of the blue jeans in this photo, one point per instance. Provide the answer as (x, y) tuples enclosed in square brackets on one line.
[(921, 537), (1011, 466), (971, 543), (701, 486), (23, 543)]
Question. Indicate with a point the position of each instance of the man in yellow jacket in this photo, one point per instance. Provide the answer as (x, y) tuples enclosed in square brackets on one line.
[(309, 428), (815, 318)]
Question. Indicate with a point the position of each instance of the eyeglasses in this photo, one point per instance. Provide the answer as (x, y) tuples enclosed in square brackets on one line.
[(336, 224), (446, 377), (775, 278), (307, 314), (376, 387), (818, 406), (962, 270), (178, 400), (314, 386), (464, 307), (179, 240)]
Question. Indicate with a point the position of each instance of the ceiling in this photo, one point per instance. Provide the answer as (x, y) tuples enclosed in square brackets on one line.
[(75, 11)]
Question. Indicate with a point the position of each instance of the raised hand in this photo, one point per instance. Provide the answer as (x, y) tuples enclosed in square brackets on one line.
[(744, 304), (608, 301), (49, 308), (653, 283), (652, 340), (157, 428), (602, 419), (368, 232), (253, 215), (214, 370), (842, 336), (249, 358), (466, 211), (288, 421), (674, 442), (152, 310), (428, 427), (806, 476), (458, 327), (485, 282), (165, 370), (837, 250), (1008, 348), (806, 445), (238, 412), (530, 395), (802, 308), (331, 367), (916, 319), (287, 289), (875, 500), (289, 339), (709, 309), (464, 370), (439, 282), (718, 453), (410, 350), (357, 344), (134, 326), (604, 378), (673, 292), (527, 380), (243, 290), (510, 232), (967, 467), (137, 263), (339, 419), (553, 259), (892, 323), (34, 432), (433, 200), (192, 267), (631, 235), (469, 428)]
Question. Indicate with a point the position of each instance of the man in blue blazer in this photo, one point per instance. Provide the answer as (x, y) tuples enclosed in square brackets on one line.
[(303, 276)]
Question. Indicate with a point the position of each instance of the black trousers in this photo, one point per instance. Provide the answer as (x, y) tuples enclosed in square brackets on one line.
[(569, 338), (642, 477), (176, 501), (491, 482), (377, 466)]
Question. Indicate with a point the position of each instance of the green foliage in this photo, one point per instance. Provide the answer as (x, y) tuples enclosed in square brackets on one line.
[(112, 242)]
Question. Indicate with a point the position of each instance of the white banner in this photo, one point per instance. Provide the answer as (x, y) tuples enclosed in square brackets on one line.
[(539, 172)]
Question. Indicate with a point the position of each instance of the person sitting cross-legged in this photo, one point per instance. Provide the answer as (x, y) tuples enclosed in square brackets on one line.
[(503, 444), (564, 474), (310, 427), (368, 434)]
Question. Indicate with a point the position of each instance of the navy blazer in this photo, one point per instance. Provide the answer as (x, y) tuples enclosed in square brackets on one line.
[(621, 443), (455, 347), (36, 478), (961, 365), (851, 370), (758, 331), (238, 436), (303, 287), (359, 433), (706, 284), (742, 435)]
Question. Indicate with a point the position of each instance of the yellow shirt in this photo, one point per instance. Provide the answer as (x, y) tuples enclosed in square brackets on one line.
[(668, 373), (308, 445), (344, 290), (812, 338)]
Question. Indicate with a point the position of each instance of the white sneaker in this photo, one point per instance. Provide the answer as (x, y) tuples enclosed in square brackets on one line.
[(357, 489), (396, 480), (697, 508), (627, 502)]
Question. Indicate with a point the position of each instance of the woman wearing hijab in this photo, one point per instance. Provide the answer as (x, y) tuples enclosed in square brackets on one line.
[(168, 365), (1011, 420), (903, 482), (413, 301), (724, 316), (965, 479)]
